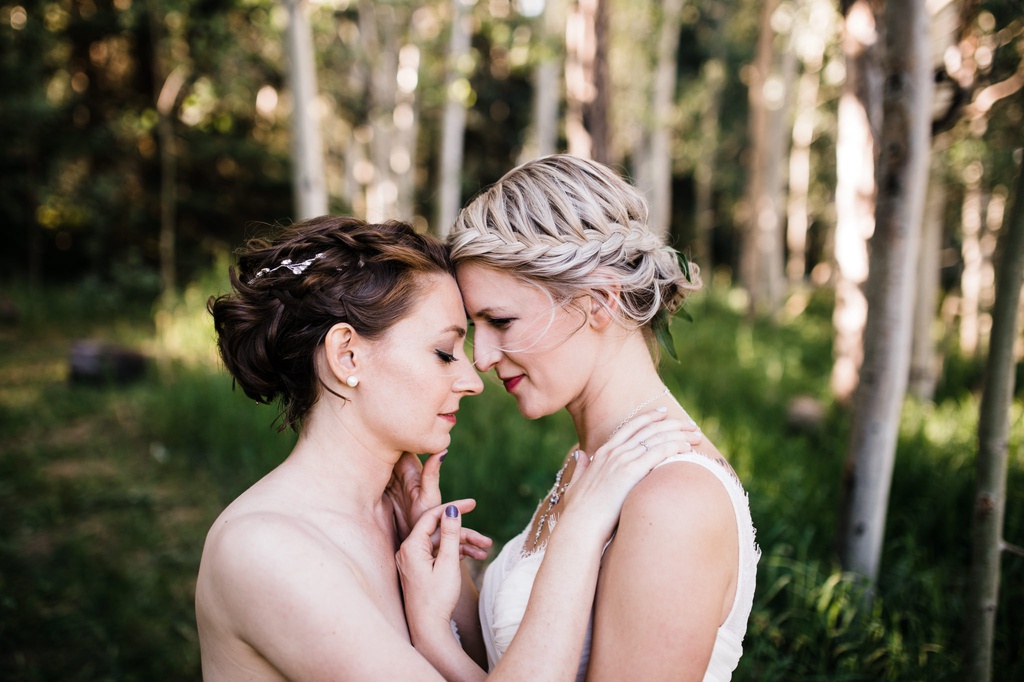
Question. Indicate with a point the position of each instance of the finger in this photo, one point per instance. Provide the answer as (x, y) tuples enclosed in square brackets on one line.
[(639, 443), (476, 539), (630, 428), (654, 431), (430, 479), (468, 551), (583, 462), (434, 533), (465, 505), (658, 452), (451, 535), (418, 548), (407, 465), (681, 439)]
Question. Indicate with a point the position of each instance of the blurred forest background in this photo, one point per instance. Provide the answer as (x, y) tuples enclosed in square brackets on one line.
[(845, 172)]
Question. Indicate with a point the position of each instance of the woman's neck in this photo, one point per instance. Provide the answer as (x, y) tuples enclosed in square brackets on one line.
[(623, 381), (345, 467)]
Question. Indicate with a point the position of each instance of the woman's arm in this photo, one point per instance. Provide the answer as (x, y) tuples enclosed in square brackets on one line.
[(549, 640), (668, 579)]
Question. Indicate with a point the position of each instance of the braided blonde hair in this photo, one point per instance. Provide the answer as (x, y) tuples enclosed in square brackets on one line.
[(574, 227)]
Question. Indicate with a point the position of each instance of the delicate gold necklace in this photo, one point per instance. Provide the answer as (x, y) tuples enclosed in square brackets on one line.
[(559, 489)]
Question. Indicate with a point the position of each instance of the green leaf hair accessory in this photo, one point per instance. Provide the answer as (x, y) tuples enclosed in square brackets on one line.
[(684, 264), (662, 322), (661, 325)]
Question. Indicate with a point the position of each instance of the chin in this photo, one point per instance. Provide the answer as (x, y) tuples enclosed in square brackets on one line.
[(429, 446), (533, 411)]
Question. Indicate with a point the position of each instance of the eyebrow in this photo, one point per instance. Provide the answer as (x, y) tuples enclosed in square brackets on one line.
[(459, 331), (488, 312)]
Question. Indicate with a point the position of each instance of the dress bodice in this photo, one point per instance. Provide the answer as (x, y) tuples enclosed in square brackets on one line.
[(508, 582)]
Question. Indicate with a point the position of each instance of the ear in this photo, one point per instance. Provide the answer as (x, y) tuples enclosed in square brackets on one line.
[(343, 350), (604, 303)]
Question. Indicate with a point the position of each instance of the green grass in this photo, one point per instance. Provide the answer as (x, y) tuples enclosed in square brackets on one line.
[(106, 493)]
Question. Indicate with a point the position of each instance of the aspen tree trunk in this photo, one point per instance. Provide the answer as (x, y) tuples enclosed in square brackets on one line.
[(762, 259), (383, 25), (972, 227), (902, 182), (641, 66), (597, 111), (308, 183), (587, 81), (704, 173), (542, 138), (923, 357), (810, 41), (406, 119), (166, 102), (663, 96), (454, 126), (859, 120), (993, 445)]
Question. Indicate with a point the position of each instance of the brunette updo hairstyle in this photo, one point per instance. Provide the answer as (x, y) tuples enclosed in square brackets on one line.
[(574, 227), (290, 289)]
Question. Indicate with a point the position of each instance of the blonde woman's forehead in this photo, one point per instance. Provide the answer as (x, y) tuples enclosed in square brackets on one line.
[(486, 290)]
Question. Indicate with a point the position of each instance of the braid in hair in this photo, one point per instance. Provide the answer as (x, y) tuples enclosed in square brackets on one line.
[(574, 226)]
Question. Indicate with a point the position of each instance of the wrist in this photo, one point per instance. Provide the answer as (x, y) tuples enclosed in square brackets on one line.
[(582, 531)]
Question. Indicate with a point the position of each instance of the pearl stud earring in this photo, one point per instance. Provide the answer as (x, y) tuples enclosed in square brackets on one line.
[(352, 381)]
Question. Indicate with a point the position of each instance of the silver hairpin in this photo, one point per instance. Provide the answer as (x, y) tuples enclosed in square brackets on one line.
[(296, 268)]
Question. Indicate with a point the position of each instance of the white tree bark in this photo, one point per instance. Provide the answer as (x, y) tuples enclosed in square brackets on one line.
[(902, 182), (308, 183), (762, 261), (971, 227), (812, 31), (380, 28), (924, 358), (704, 173), (860, 113), (453, 130), (993, 445), (663, 97), (542, 138), (587, 80), (406, 121)]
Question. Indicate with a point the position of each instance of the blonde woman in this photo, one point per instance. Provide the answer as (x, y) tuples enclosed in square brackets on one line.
[(565, 283)]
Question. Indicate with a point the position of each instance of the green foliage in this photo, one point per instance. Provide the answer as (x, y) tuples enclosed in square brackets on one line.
[(106, 495)]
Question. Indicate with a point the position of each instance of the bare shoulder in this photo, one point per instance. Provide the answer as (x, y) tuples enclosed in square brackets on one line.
[(256, 535), (257, 553), (682, 502)]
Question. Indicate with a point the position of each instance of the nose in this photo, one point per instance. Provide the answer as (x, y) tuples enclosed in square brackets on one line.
[(469, 382), (485, 353)]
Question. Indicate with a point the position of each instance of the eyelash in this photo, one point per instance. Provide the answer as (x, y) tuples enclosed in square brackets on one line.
[(446, 358), (501, 323)]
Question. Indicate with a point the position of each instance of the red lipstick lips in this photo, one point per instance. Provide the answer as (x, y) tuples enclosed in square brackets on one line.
[(510, 384)]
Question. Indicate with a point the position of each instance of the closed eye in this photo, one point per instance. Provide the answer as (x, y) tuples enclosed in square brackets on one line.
[(500, 322), (446, 358)]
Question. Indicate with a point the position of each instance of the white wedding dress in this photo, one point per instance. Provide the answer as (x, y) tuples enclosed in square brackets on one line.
[(509, 580)]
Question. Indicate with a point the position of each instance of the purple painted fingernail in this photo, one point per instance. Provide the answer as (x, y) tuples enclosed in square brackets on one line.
[(441, 458), (451, 511)]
